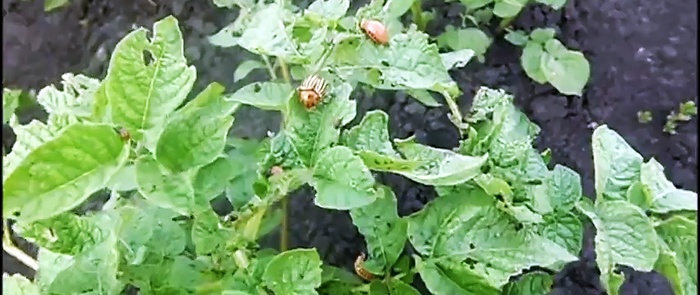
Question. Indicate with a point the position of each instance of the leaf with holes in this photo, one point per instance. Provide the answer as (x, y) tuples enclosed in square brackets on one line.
[(271, 96), (148, 79)]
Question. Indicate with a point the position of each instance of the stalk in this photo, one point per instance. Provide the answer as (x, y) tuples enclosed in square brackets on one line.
[(417, 11)]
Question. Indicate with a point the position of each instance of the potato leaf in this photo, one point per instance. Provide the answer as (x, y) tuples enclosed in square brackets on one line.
[(665, 196), (448, 278), (533, 283), (18, 284), (469, 226), (61, 173), (370, 140), (67, 274), (341, 180), (271, 96), (408, 62), (148, 79), (312, 131), (296, 271), (196, 134), (617, 165), (679, 260), (383, 229), (624, 236), (438, 166), (164, 189)]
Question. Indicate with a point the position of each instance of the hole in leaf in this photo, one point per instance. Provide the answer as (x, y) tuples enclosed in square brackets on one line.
[(147, 57), (385, 63), (471, 246), (257, 87), (518, 226)]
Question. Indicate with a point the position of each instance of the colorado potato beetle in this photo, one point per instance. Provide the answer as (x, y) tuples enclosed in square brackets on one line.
[(312, 90), (360, 268), (375, 30)]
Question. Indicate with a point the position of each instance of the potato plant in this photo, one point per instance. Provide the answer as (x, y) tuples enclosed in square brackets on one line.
[(162, 157), (544, 58)]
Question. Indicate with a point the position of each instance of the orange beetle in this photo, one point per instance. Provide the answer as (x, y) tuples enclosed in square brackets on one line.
[(375, 30), (312, 90), (360, 268)]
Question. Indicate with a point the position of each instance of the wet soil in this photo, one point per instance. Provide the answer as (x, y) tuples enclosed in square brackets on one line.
[(642, 54)]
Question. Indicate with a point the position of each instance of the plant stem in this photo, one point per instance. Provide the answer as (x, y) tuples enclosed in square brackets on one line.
[(284, 230), (11, 249), (270, 69), (504, 24), (456, 115), (417, 11), (285, 71)]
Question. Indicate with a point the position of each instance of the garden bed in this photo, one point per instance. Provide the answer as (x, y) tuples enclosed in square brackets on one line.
[(642, 57)]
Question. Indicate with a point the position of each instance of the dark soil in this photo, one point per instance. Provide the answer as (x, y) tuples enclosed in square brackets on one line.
[(642, 54)]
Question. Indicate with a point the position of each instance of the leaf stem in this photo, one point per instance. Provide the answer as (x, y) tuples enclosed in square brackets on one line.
[(270, 69), (417, 11), (456, 115), (504, 24), (17, 253)]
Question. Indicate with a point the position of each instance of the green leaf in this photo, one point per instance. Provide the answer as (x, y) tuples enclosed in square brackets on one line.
[(397, 8), (225, 37), (50, 5), (617, 165), (124, 179), (530, 61), (665, 196), (438, 166), (143, 92), (383, 229), (160, 187), (542, 35), (370, 140), (93, 270), (469, 38), (17, 284), (65, 234), (556, 4), (342, 181), (457, 59), (564, 188), (10, 101), (424, 97), (408, 62), (329, 9), (63, 172), (196, 134), (245, 68), (624, 236), (508, 8), (312, 131), (271, 96), (453, 279), (207, 232), (294, 272), (568, 71), (470, 226), (266, 33), (212, 179), (533, 283), (565, 229), (679, 260), (474, 4), (517, 37), (391, 286), (143, 231), (75, 100)]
